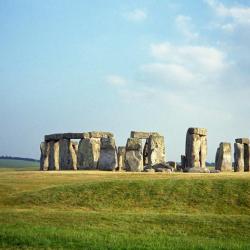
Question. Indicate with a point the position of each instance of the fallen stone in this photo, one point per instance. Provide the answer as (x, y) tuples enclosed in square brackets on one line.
[(165, 170), (196, 170), (214, 171), (149, 170)]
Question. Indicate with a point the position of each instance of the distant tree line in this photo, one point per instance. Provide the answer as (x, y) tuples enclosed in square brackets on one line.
[(17, 158)]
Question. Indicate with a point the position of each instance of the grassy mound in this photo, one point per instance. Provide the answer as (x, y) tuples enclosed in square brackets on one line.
[(218, 196)]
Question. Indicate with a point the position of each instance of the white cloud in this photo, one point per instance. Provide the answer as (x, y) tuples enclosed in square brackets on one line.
[(239, 14), (184, 25), (116, 80), (197, 58), (137, 15)]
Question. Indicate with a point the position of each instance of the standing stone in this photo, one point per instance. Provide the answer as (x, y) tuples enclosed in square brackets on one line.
[(156, 150), (224, 158), (145, 154), (133, 156), (183, 161), (67, 155), (44, 159), (238, 157), (53, 155), (88, 153), (121, 158), (196, 148), (108, 155), (246, 157)]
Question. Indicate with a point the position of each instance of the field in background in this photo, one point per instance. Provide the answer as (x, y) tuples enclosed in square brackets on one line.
[(7, 164), (104, 210)]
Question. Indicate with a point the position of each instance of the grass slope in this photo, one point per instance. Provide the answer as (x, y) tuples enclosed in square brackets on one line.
[(93, 210)]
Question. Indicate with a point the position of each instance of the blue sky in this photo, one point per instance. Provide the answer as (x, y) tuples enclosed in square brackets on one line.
[(121, 66)]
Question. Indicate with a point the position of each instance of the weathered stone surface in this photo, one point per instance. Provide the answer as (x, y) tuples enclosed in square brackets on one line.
[(246, 157), (196, 148), (142, 135), (134, 161), (173, 164), (223, 158), (53, 137), (156, 150), (108, 155), (162, 165), (197, 170), (121, 158), (183, 161), (44, 159), (242, 140), (88, 153), (163, 170), (133, 144), (75, 136), (238, 157), (67, 153), (100, 134), (145, 154), (53, 155), (133, 156), (198, 131)]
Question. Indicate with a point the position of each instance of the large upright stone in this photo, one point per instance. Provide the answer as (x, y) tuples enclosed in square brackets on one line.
[(88, 153), (134, 157), (196, 148), (156, 150), (53, 155), (108, 155), (44, 159), (223, 160), (238, 157), (68, 160), (145, 153), (121, 158), (247, 157)]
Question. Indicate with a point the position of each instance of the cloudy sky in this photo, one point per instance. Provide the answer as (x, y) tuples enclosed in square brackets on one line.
[(121, 66)]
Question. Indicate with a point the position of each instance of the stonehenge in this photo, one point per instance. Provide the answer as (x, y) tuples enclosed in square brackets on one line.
[(144, 151), (196, 150), (242, 155), (223, 158)]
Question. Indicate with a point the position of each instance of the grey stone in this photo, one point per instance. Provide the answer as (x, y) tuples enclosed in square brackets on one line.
[(242, 140), (223, 161), (183, 161), (134, 144), (162, 165), (44, 159), (198, 131), (156, 150), (142, 135), (246, 157), (166, 170), (196, 148), (53, 155), (108, 155), (88, 153), (214, 171), (121, 158), (145, 153), (53, 137), (197, 170), (68, 156), (238, 157), (133, 156), (172, 164), (100, 134)]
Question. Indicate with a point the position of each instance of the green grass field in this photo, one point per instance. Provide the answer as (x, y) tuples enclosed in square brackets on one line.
[(7, 164), (105, 210)]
